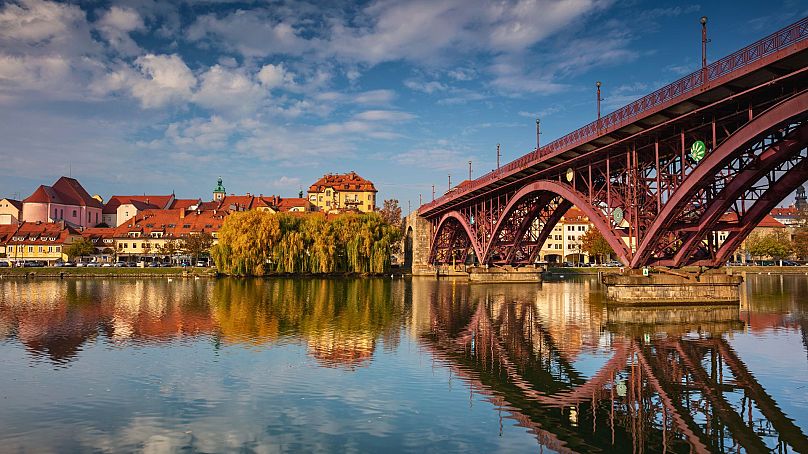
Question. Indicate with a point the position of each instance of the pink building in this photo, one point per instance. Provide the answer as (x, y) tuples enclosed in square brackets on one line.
[(65, 201)]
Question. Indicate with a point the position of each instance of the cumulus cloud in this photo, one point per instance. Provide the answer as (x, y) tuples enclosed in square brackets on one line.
[(426, 87), (251, 33), (116, 24), (272, 76), (164, 79), (228, 90)]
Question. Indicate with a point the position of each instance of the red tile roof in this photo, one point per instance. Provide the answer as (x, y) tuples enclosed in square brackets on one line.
[(42, 233), (184, 203), (575, 215), (342, 182), (66, 191), (141, 202), (172, 223), (785, 211), (288, 204), (767, 221)]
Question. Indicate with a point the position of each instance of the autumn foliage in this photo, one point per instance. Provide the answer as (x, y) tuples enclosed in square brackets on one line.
[(256, 243)]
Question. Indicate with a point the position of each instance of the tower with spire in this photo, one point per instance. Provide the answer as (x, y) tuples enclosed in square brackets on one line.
[(801, 201), (219, 192)]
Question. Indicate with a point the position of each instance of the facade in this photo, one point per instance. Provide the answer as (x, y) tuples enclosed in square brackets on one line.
[(343, 192), (10, 211), (120, 208), (219, 192), (65, 201), (40, 241)]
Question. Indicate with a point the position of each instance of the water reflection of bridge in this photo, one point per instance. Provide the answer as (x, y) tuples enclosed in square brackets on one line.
[(664, 387)]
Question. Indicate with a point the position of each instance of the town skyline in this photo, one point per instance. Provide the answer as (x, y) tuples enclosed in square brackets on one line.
[(137, 97)]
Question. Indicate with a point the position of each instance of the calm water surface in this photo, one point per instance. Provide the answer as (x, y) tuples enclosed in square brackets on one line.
[(372, 365)]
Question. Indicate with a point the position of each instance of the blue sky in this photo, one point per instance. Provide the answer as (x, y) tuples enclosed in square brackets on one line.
[(152, 96)]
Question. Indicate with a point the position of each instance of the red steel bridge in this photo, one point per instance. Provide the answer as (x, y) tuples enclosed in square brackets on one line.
[(713, 152)]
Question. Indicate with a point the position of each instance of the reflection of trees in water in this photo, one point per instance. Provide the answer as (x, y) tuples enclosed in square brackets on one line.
[(340, 320), (668, 386)]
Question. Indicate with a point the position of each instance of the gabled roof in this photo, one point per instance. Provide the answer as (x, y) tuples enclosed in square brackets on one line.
[(15, 203), (141, 202), (184, 203), (785, 212), (42, 232), (767, 221), (66, 191), (172, 223), (288, 204), (342, 182)]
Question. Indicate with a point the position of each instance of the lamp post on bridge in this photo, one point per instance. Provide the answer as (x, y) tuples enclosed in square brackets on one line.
[(538, 133), (469, 170), (704, 41), (450, 181), (498, 156), (598, 84), (433, 192)]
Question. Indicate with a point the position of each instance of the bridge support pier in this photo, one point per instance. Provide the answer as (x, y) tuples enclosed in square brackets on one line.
[(634, 288), (417, 243), (505, 274)]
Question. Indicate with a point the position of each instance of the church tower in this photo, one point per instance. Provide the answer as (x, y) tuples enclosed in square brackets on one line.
[(801, 201), (219, 192)]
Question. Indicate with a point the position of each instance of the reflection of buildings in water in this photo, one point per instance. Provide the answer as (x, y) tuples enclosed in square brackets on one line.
[(570, 317), (341, 320), (343, 349), (669, 385)]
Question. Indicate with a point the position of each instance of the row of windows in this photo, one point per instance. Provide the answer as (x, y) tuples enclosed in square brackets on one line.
[(581, 228), (40, 249), (60, 214)]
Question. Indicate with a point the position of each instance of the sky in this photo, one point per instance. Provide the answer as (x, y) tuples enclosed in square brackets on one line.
[(145, 96)]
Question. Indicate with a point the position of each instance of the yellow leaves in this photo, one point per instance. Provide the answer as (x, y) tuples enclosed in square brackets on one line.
[(257, 243)]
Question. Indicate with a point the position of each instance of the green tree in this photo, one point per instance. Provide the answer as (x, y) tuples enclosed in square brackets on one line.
[(775, 245), (79, 248), (594, 244)]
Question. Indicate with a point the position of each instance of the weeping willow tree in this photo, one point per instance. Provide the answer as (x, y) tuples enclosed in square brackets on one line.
[(255, 243)]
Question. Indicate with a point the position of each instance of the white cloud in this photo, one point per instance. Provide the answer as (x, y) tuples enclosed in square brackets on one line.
[(164, 79), (426, 87), (229, 90), (251, 33), (273, 76), (287, 183), (38, 27), (116, 24), (384, 115), (198, 133), (440, 156)]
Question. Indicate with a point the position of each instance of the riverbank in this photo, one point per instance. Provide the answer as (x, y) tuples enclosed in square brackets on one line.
[(62, 272)]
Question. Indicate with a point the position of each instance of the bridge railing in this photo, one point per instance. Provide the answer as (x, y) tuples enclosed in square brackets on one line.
[(773, 43)]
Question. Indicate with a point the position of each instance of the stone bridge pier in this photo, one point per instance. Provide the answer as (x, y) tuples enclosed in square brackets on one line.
[(417, 243)]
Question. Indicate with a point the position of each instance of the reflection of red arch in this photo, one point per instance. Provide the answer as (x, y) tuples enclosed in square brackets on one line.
[(577, 199), (463, 223), (774, 116)]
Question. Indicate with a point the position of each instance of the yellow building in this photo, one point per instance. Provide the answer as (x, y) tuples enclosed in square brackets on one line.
[(10, 211), (40, 241), (343, 192)]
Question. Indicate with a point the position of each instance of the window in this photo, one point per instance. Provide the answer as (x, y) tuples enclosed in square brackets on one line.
[(570, 228), (134, 245), (58, 248), (41, 249), (61, 214), (11, 249), (96, 218), (186, 226), (370, 197), (55, 213), (50, 248), (88, 217), (74, 213), (30, 249)]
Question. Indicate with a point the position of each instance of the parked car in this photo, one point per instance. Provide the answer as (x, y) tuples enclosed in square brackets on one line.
[(790, 263), (201, 264), (613, 264), (4, 264), (120, 265), (33, 264), (68, 264), (106, 265), (93, 265), (131, 264), (153, 265)]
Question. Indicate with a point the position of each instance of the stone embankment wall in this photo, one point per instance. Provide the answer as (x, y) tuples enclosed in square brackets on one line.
[(670, 289)]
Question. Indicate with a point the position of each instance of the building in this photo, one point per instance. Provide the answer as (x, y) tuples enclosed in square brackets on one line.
[(120, 208), (147, 235), (10, 211), (40, 241), (65, 201), (219, 192), (343, 192), (801, 200), (6, 232)]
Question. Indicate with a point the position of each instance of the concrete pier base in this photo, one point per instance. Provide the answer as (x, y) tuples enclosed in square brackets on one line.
[(671, 289), (505, 274)]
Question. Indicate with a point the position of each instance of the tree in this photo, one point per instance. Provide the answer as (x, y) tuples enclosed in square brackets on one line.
[(391, 212), (78, 248), (196, 245), (799, 242), (594, 244), (775, 245)]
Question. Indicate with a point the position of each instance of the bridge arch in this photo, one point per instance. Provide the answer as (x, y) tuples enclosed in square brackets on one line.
[(445, 223), (772, 119), (571, 197)]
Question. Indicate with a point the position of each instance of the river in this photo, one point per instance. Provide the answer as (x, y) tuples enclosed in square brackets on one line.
[(413, 365)]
